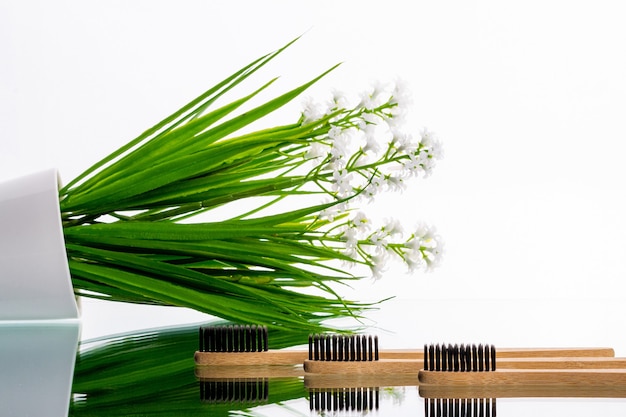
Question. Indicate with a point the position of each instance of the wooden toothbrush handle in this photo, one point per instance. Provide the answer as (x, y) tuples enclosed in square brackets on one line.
[(524, 377), (554, 352), (270, 357), (535, 352)]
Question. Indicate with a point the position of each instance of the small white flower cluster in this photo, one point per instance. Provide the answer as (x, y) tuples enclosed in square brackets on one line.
[(361, 151), (422, 250), (425, 248), (421, 159)]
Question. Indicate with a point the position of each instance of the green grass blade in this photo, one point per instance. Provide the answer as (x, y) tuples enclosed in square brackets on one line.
[(190, 165), (189, 110)]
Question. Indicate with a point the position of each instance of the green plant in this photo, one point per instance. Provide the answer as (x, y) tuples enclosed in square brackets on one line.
[(139, 228)]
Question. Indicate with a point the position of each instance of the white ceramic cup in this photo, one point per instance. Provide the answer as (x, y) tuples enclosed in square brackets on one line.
[(35, 281)]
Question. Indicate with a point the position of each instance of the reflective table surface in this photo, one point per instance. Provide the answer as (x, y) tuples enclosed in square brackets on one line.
[(49, 370)]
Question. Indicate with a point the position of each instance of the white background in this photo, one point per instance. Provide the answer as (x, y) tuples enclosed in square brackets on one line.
[(528, 99)]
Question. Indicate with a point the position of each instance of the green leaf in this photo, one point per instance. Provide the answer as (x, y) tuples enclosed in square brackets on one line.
[(188, 111)]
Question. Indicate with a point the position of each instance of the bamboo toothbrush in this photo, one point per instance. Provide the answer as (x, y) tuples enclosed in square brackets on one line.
[(359, 355), (248, 345), (236, 345), (461, 365), (247, 371)]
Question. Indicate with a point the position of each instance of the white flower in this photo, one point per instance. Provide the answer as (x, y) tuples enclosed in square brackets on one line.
[(371, 118), (361, 222), (351, 253), (312, 110), (378, 264), (342, 182), (351, 237), (335, 131), (425, 248), (402, 99), (428, 165), (376, 97), (317, 150), (431, 144), (434, 255), (379, 240), (393, 227), (331, 212), (340, 145), (428, 156), (423, 235), (415, 260), (335, 164), (401, 93), (341, 100), (375, 186), (344, 144), (422, 158), (368, 102), (371, 139), (413, 166), (395, 182), (403, 141)]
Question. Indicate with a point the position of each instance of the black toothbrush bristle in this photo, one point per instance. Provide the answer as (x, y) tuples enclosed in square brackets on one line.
[(233, 338), (460, 407), (459, 358), (344, 399), (246, 391), (343, 348)]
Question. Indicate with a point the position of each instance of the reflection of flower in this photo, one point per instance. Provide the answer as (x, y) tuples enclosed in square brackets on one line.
[(396, 394), (192, 213)]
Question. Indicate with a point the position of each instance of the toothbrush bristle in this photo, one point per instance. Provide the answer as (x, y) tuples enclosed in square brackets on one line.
[(344, 399), (343, 348), (457, 407), (251, 391), (233, 338), (459, 358)]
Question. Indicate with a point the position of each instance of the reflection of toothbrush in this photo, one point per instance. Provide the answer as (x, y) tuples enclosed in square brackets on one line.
[(457, 407), (234, 390), (248, 345), (521, 391), (361, 399), (461, 365)]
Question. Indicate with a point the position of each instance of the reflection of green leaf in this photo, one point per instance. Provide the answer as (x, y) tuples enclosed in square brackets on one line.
[(152, 373)]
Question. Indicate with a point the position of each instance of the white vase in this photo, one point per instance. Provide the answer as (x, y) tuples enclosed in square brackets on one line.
[(35, 281)]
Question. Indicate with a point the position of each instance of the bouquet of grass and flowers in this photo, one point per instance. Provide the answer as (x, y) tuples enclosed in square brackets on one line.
[(252, 226)]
